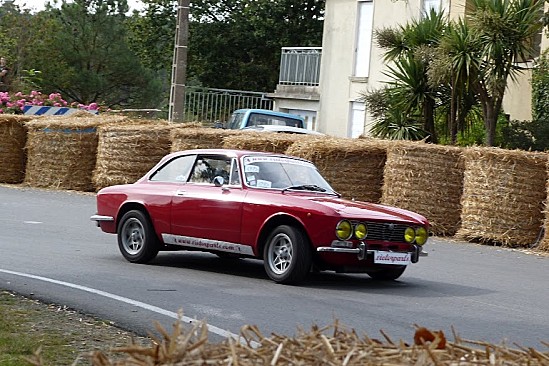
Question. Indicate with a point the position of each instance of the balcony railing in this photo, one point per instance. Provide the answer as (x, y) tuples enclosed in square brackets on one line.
[(300, 66)]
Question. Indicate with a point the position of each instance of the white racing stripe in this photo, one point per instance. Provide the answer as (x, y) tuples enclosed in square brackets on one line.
[(156, 309)]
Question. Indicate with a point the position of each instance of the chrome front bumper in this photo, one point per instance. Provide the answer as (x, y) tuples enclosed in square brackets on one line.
[(362, 251)]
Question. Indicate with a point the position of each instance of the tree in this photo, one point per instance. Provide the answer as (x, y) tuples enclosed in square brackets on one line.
[(87, 58), (237, 44), (151, 33), (410, 48), (454, 66), (502, 36)]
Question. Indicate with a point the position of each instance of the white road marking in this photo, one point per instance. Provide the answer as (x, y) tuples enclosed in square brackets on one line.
[(156, 309), (32, 222)]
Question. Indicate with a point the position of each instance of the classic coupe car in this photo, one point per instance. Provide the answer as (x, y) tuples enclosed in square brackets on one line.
[(274, 207)]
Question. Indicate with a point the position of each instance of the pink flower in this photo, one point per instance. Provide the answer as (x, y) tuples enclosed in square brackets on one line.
[(18, 94), (93, 107)]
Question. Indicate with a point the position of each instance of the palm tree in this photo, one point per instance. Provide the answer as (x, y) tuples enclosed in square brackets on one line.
[(503, 33), (409, 47), (455, 64)]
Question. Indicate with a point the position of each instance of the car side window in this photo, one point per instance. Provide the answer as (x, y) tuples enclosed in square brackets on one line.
[(235, 173), (175, 171), (207, 168)]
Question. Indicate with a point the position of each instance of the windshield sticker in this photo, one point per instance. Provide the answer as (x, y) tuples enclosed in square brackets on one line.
[(274, 159), (263, 183), (251, 169)]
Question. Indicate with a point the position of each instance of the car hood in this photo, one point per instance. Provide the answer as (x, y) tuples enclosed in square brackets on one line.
[(369, 211)]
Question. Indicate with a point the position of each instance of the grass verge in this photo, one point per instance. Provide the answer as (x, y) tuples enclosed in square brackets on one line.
[(64, 336)]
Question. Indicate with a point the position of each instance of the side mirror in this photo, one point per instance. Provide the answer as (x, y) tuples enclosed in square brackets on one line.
[(218, 181)]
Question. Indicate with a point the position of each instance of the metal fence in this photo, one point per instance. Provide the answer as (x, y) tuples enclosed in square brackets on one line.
[(216, 105), (300, 66)]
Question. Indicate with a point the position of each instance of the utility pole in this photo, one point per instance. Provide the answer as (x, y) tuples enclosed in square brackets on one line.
[(179, 66)]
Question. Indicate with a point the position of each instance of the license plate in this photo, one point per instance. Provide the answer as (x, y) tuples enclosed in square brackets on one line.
[(392, 258)]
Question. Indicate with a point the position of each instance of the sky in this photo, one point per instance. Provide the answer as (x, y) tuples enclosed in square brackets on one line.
[(37, 5)]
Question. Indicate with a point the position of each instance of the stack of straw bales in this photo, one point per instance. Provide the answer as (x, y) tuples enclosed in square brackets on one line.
[(127, 151), (13, 137), (264, 141), (503, 195), (62, 150), (192, 137), (427, 179), (353, 167)]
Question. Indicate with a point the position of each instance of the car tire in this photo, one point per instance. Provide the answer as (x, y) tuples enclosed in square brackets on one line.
[(287, 255), (137, 239), (387, 274)]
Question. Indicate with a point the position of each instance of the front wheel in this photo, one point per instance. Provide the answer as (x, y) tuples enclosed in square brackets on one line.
[(137, 240), (287, 255), (387, 274)]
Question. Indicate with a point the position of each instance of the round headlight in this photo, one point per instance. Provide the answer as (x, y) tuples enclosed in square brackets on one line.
[(409, 234), (361, 231), (421, 235), (344, 230)]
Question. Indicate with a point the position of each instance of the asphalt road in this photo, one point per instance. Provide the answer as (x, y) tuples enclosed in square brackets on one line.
[(50, 250)]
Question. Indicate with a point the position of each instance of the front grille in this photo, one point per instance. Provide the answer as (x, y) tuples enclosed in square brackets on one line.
[(386, 231)]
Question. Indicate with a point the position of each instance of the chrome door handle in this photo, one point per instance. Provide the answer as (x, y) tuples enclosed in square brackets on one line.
[(180, 192)]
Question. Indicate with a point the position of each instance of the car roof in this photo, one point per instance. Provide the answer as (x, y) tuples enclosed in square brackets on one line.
[(269, 112), (229, 152)]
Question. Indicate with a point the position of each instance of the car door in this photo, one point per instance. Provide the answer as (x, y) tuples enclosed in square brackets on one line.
[(208, 216)]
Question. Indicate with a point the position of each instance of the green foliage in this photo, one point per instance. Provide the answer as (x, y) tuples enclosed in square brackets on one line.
[(504, 31), (474, 134), (527, 135), (540, 89), (151, 33), (413, 98), (87, 58), (391, 122), (237, 44)]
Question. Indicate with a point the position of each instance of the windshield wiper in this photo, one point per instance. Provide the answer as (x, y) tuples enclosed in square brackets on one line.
[(306, 187)]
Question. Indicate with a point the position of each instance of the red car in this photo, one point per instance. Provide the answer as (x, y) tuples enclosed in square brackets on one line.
[(259, 205)]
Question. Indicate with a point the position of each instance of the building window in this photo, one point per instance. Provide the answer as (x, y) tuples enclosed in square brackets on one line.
[(363, 46), (358, 115)]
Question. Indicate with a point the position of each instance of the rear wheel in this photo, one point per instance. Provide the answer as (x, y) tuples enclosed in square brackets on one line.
[(287, 255), (387, 274), (137, 240)]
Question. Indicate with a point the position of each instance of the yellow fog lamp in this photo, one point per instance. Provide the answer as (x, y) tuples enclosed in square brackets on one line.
[(361, 231), (344, 230), (409, 235), (421, 235)]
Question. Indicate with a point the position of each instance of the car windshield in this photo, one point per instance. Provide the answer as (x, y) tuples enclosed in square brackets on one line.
[(258, 119), (283, 173), (235, 121)]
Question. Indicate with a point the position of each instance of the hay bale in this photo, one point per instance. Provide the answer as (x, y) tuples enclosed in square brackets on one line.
[(544, 243), (264, 141), (427, 179), (127, 151), (503, 195), (61, 150), (13, 137), (353, 167), (191, 137)]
